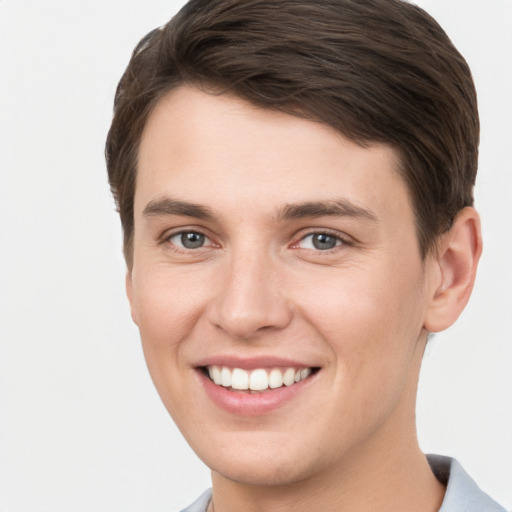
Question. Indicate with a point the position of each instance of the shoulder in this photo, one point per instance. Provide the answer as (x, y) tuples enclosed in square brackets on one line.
[(462, 493), (201, 503)]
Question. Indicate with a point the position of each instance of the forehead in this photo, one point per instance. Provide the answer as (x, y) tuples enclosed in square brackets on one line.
[(213, 149)]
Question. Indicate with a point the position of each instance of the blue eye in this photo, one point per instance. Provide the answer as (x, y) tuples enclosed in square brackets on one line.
[(320, 242), (188, 239)]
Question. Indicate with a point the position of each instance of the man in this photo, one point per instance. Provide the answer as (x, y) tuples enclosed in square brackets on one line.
[(295, 185)]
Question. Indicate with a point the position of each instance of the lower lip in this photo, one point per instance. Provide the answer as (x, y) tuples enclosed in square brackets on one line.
[(246, 403)]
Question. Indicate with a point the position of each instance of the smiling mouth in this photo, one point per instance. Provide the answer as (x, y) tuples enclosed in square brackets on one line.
[(258, 379)]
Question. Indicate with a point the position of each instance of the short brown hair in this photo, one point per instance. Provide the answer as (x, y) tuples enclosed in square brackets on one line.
[(375, 70)]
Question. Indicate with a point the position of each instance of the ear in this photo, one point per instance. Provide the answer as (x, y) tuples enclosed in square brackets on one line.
[(455, 265), (129, 294)]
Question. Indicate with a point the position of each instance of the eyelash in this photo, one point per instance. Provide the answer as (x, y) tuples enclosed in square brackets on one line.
[(339, 240), (169, 236)]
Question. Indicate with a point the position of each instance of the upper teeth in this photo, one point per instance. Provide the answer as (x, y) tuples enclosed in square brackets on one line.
[(258, 379)]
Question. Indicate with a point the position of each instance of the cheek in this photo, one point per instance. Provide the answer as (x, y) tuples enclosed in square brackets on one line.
[(167, 309), (166, 314), (167, 306), (372, 330), (370, 318), (363, 303)]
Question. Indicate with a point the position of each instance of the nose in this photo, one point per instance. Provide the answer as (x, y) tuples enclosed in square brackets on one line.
[(249, 299)]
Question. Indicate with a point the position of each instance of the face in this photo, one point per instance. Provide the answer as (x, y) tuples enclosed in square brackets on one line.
[(278, 287)]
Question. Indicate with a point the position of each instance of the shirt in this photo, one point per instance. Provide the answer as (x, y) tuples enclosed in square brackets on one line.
[(462, 493)]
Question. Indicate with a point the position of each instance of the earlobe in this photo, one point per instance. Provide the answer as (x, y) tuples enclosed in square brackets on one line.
[(456, 262), (129, 294)]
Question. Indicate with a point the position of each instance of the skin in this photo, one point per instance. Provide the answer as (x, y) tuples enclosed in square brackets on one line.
[(257, 287)]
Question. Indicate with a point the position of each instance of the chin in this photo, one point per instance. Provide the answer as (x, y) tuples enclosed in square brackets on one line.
[(256, 473), (266, 461)]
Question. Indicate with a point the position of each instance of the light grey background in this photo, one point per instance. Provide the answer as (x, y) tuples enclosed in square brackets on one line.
[(81, 427)]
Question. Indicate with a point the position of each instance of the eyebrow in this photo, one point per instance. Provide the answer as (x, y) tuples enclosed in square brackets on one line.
[(309, 209), (332, 208), (169, 206)]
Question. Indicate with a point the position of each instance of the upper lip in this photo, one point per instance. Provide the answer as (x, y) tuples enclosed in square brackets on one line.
[(251, 363)]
